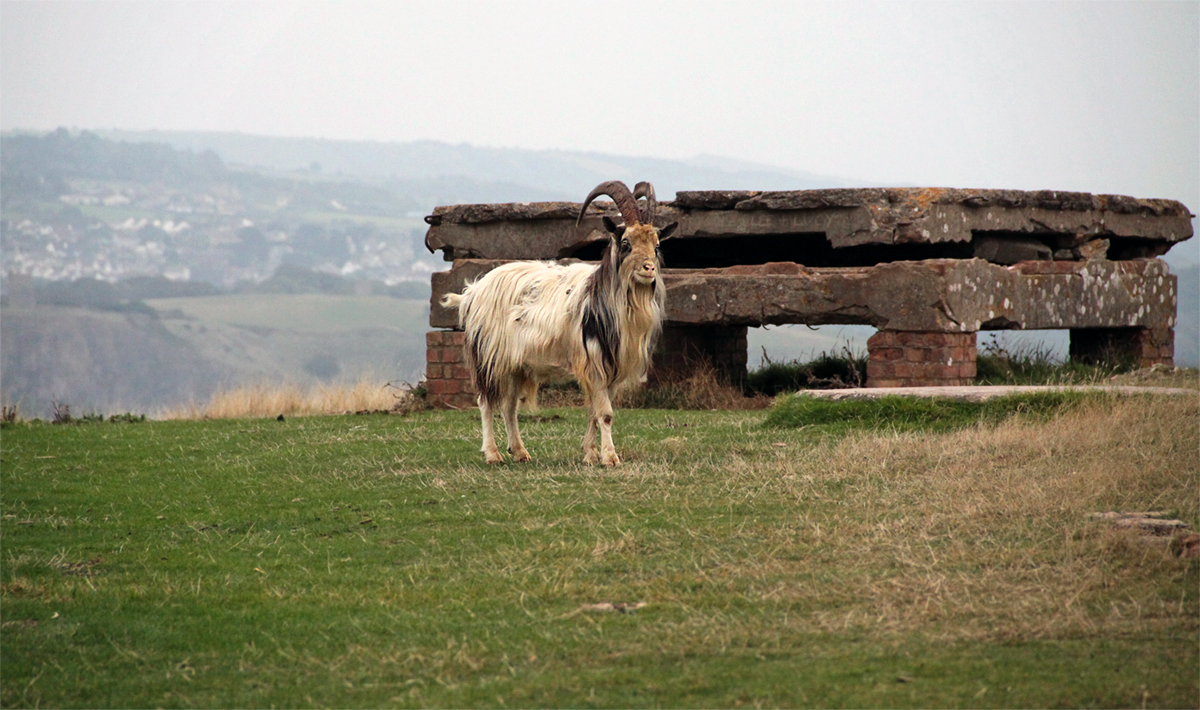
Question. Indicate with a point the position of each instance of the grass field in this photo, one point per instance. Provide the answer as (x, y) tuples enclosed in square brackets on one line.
[(783, 559)]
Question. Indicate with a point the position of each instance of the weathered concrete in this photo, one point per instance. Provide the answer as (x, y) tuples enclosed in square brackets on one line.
[(1062, 221), (939, 295)]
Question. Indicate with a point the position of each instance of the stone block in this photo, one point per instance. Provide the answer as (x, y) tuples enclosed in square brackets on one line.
[(842, 218), (940, 295)]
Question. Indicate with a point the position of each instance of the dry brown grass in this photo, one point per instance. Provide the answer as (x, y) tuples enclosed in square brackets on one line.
[(984, 534), (703, 387), (1182, 378), (264, 399), (987, 533)]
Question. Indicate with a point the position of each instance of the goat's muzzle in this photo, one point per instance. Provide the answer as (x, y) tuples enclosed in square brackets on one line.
[(647, 272)]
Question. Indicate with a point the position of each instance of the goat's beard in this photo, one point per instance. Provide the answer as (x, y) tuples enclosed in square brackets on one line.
[(644, 304)]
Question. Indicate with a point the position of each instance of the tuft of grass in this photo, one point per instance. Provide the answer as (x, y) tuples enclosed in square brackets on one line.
[(62, 413), (265, 399), (1036, 364), (96, 418)]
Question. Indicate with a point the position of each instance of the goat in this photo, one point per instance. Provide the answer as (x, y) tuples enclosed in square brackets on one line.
[(529, 322)]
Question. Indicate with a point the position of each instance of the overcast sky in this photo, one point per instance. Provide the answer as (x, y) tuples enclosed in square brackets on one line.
[(1097, 97)]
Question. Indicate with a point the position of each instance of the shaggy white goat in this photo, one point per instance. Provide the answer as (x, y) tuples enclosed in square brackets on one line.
[(528, 322)]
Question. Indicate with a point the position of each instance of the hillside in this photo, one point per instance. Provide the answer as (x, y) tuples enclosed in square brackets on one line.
[(178, 350), (305, 338), (97, 361), (517, 175)]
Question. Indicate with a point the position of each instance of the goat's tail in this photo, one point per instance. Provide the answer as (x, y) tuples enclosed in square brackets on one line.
[(481, 373)]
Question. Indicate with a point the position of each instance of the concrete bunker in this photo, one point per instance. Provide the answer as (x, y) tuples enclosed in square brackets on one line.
[(928, 268)]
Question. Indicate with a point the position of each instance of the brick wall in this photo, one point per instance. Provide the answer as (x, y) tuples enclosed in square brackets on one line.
[(447, 380), (919, 359)]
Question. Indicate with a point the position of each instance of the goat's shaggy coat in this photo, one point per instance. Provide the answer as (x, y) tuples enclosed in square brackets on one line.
[(529, 322)]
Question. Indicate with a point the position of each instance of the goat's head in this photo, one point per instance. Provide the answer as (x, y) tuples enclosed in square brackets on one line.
[(634, 247)]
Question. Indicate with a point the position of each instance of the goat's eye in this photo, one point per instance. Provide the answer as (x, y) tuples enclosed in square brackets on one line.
[(625, 245)]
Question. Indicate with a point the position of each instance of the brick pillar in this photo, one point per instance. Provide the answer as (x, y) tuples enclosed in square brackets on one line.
[(1146, 347), (447, 381), (916, 359), (682, 347)]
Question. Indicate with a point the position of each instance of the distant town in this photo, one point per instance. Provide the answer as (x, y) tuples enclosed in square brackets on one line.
[(81, 207)]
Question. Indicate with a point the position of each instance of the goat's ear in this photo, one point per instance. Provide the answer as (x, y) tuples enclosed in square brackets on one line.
[(667, 231), (617, 230)]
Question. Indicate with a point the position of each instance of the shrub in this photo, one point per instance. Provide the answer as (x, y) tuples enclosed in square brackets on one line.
[(1035, 364), (827, 371)]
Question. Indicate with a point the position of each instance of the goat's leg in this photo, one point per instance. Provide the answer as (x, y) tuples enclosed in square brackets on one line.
[(602, 416), (590, 453), (509, 411), (491, 454)]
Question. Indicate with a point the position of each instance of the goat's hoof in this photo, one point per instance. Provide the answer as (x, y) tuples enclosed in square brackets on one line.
[(591, 458), (521, 456), (611, 459), (492, 457)]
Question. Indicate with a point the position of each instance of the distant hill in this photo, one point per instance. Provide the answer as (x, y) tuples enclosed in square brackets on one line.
[(176, 350), (93, 360), (552, 174)]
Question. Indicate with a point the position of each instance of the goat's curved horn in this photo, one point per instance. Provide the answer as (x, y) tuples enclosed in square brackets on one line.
[(621, 195), (645, 189)]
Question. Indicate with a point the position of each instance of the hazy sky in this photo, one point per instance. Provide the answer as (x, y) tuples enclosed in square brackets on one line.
[(1099, 97)]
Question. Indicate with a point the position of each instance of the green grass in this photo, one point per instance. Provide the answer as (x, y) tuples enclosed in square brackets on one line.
[(375, 561), (938, 414)]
